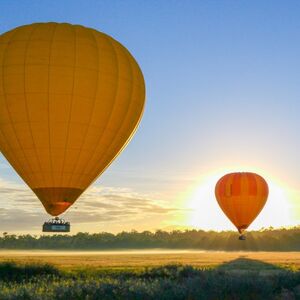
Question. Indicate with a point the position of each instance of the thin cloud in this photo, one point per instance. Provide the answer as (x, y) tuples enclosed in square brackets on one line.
[(20, 210)]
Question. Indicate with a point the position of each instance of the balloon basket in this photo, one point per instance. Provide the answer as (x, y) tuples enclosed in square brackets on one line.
[(56, 225), (242, 237)]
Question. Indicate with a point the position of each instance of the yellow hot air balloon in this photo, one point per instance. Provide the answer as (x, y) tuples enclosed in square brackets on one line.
[(241, 196), (70, 100)]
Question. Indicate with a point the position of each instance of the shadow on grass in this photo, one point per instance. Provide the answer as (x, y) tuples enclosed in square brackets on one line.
[(245, 264)]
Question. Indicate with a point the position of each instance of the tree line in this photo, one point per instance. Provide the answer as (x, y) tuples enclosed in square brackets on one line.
[(263, 240)]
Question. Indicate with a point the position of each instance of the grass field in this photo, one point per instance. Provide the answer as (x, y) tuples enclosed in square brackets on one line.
[(146, 258), (44, 275)]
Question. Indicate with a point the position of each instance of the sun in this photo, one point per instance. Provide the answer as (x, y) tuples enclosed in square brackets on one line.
[(203, 211)]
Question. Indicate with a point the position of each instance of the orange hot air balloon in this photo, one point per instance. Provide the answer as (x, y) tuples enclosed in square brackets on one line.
[(70, 100), (241, 196)]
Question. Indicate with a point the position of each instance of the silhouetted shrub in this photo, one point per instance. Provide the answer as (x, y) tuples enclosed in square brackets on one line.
[(10, 271), (171, 282)]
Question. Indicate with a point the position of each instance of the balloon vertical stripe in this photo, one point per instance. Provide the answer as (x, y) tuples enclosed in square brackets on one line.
[(249, 192)]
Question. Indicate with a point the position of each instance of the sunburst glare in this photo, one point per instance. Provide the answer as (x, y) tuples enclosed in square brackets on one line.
[(205, 213)]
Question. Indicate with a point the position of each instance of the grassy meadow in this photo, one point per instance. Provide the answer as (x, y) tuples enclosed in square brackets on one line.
[(149, 275), (147, 258)]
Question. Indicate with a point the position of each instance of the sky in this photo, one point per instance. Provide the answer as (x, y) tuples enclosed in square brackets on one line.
[(222, 95)]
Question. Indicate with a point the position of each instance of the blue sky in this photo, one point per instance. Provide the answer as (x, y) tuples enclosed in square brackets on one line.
[(223, 91)]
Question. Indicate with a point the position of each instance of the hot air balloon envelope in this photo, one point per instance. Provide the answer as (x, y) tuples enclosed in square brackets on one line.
[(241, 196), (70, 100)]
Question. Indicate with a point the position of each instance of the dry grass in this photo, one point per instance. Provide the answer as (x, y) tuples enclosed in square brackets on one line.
[(134, 259)]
